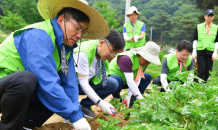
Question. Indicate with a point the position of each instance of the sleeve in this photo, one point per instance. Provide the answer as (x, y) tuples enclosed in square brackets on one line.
[(58, 95), (191, 66), (143, 28), (83, 65), (164, 69), (124, 30), (216, 40), (195, 34), (124, 63)]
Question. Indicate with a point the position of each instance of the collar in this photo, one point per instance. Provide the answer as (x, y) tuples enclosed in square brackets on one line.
[(59, 36), (132, 23)]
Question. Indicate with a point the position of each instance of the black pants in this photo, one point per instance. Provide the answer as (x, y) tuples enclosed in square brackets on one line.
[(18, 100), (204, 66)]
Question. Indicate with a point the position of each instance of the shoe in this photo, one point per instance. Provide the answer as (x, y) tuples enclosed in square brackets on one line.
[(29, 125), (88, 112)]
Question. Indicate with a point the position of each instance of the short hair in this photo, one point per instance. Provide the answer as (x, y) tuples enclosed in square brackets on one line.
[(185, 44), (115, 40), (76, 14)]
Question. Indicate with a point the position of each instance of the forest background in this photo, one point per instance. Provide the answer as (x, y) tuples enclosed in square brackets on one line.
[(171, 20)]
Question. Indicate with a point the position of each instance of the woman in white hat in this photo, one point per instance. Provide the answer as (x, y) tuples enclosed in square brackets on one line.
[(179, 61), (37, 79), (128, 69), (134, 30)]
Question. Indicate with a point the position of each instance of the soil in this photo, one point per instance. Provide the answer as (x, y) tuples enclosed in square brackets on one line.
[(55, 122)]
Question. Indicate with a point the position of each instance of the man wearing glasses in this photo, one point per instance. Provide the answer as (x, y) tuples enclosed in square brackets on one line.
[(173, 62), (37, 72), (92, 57)]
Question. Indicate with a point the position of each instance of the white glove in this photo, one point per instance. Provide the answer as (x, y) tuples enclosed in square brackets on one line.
[(194, 52), (81, 124), (105, 107), (136, 38), (164, 82), (126, 100), (214, 55)]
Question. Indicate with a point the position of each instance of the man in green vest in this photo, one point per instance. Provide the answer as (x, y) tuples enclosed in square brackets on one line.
[(92, 59), (205, 44), (128, 69), (37, 72), (134, 30), (173, 62)]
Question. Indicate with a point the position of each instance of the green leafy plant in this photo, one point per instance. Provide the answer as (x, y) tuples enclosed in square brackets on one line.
[(109, 125)]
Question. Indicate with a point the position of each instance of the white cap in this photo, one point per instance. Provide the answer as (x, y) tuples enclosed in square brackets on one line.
[(131, 10)]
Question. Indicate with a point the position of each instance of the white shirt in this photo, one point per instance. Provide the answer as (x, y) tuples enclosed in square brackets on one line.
[(83, 65)]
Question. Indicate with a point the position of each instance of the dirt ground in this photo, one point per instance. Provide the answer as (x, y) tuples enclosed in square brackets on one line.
[(55, 122)]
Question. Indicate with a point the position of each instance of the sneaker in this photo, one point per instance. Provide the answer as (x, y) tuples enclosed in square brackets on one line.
[(88, 112), (29, 125)]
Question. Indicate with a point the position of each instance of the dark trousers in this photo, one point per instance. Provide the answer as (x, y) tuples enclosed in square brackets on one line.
[(18, 100), (204, 66)]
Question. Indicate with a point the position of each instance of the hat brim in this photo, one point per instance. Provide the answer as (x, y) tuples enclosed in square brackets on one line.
[(151, 58), (98, 27)]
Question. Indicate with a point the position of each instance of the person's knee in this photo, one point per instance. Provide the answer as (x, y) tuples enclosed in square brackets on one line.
[(113, 84), (148, 77), (28, 84)]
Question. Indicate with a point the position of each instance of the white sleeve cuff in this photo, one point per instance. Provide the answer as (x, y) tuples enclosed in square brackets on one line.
[(87, 89), (164, 82), (132, 85), (216, 46), (126, 38), (195, 44)]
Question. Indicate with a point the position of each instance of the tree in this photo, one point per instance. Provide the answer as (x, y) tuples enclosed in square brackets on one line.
[(12, 21), (108, 14), (161, 23)]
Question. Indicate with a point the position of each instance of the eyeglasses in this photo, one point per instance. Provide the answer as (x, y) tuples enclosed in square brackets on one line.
[(184, 56), (111, 53), (78, 29)]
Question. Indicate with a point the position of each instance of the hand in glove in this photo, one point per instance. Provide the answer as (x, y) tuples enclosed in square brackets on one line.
[(81, 124), (214, 55), (105, 107), (126, 100), (136, 38)]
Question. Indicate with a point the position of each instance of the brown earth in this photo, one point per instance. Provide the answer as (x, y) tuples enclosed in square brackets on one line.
[(55, 122)]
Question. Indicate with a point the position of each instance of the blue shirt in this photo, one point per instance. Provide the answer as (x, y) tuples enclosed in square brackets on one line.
[(143, 28), (57, 92)]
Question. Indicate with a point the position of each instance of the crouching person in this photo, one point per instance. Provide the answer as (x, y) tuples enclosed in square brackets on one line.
[(128, 69), (179, 61), (92, 63)]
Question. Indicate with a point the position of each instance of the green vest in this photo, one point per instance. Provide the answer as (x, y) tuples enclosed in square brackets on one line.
[(10, 61), (138, 27), (89, 48), (206, 40), (173, 66), (114, 69)]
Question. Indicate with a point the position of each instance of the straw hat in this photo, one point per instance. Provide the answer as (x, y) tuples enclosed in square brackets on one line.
[(149, 52), (98, 27), (131, 10)]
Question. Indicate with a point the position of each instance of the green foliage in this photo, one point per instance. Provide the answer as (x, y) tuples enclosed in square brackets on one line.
[(190, 106), (12, 21), (108, 14), (2, 38), (109, 125), (27, 9)]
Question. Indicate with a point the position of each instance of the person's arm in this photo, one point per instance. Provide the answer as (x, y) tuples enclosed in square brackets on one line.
[(191, 66), (163, 76), (83, 77), (143, 30), (194, 52), (214, 55), (60, 96), (126, 38)]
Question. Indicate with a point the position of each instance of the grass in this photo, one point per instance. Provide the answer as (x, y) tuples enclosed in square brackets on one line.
[(2, 38)]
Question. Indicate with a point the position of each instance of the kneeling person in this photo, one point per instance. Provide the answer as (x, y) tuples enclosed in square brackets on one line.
[(128, 69), (179, 61), (91, 71)]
